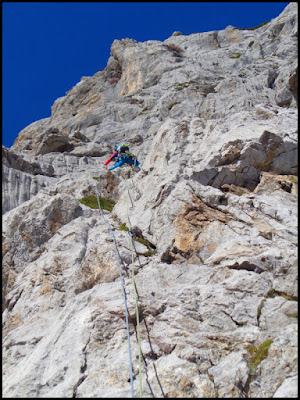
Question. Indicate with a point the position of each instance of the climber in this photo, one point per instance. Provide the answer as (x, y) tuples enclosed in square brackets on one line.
[(123, 156), (119, 148)]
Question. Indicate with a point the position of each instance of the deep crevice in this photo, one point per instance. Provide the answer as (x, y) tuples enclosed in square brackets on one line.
[(80, 380), (246, 265)]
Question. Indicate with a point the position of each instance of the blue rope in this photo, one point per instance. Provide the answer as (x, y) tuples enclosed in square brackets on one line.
[(134, 287), (123, 290)]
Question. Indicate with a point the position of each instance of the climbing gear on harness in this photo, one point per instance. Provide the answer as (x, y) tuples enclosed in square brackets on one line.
[(133, 234)]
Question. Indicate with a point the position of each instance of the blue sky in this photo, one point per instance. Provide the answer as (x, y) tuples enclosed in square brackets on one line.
[(48, 46)]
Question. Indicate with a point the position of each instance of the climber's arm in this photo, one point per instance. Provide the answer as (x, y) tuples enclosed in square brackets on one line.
[(115, 154), (117, 164)]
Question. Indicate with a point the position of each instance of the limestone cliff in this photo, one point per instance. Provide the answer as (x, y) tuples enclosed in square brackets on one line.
[(212, 117)]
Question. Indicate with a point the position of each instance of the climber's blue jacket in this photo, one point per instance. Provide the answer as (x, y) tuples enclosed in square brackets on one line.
[(122, 159)]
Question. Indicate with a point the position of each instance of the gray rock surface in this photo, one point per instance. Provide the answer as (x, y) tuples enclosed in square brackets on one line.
[(213, 119), (289, 388)]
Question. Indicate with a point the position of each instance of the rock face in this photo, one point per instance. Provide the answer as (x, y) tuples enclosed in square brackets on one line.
[(212, 117)]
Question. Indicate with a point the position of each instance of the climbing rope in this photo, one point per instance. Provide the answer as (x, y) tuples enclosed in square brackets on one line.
[(122, 284), (136, 298), (134, 287)]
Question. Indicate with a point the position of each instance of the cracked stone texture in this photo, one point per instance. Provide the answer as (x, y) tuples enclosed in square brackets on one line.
[(215, 129)]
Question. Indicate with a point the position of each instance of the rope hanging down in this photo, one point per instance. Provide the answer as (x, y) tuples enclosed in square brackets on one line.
[(134, 287), (123, 290)]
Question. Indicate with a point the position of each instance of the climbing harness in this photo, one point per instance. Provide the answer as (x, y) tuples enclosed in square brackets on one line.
[(123, 290)]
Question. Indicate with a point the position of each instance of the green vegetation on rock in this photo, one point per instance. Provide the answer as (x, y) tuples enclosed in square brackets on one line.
[(252, 29), (171, 105), (258, 354), (294, 179), (260, 308), (123, 227), (147, 244), (91, 201), (266, 235), (272, 293), (293, 315)]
